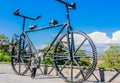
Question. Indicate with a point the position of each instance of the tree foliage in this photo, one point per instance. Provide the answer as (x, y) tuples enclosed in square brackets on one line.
[(4, 57), (112, 57), (48, 59), (4, 39), (4, 42), (83, 61)]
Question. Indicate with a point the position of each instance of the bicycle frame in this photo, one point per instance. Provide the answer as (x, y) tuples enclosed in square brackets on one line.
[(64, 25), (30, 44)]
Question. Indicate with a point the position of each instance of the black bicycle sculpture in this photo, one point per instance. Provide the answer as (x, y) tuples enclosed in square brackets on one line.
[(74, 56)]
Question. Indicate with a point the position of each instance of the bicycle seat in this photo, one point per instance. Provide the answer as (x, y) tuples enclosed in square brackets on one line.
[(32, 26), (53, 21)]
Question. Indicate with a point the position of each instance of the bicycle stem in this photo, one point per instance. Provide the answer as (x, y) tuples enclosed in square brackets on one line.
[(67, 16)]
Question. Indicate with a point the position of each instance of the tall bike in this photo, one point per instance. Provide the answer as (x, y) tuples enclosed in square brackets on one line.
[(74, 55)]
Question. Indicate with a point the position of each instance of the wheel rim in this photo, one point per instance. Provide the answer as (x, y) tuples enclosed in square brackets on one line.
[(84, 57), (20, 58)]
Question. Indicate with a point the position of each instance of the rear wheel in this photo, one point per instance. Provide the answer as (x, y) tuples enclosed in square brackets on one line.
[(21, 56), (78, 66)]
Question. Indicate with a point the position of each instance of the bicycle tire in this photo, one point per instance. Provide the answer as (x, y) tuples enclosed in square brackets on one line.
[(75, 70), (20, 57)]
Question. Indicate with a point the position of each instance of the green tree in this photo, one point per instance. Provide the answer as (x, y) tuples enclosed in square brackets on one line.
[(3, 36), (48, 59), (4, 42), (4, 39), (4, 57), (83, 61), (112, 57)]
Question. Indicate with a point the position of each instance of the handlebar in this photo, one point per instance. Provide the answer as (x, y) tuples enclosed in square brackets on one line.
[(72, 5), (17, 13)]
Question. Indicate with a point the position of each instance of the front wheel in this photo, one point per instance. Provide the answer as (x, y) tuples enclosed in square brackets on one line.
[(20, 56), (76, 63)]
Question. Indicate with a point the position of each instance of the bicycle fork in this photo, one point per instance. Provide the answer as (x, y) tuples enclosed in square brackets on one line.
[(71, 50)]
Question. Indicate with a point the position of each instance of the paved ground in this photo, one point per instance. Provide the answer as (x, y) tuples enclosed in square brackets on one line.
[(8, 76)]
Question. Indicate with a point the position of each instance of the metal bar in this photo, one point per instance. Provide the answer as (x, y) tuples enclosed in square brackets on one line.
[(102, 74), (51, 70), (23, 26), (63, 2), (96, 77), (81, 70), (80, 45), (43, 28), (78, 56), (68, 41), (114, 77), (30, 44), (64, 65)]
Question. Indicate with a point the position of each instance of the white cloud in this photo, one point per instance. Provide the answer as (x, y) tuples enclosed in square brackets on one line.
[(115, 37), (102, 38), (99, 37), (102, 41)]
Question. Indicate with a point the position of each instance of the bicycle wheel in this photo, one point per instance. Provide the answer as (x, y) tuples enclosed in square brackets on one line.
[(21, 56), (78, 66)]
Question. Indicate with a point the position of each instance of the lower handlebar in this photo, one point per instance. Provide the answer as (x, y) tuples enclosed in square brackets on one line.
[(17, 13)]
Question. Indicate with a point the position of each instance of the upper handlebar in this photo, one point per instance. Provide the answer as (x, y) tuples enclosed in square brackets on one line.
[(17, 13), (61, 1), (72, 5)]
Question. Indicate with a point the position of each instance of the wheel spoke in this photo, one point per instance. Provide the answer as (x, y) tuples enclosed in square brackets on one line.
[(81, 70), (24, 63), (78, 56), (19, 66), (14, 56), (63, 46), (59, 56), (80, 45), (60, 59), (15, 59), (71, 71), (16, 62)]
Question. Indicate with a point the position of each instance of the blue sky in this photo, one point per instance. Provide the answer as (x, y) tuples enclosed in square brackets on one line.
[(102, 16)]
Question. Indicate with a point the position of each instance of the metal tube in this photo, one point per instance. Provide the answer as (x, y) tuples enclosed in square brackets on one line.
[(43, 28), (23, 27)]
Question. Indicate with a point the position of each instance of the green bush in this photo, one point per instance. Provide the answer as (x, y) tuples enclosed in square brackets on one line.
[(4, 57), (111, 58), (1, 55)]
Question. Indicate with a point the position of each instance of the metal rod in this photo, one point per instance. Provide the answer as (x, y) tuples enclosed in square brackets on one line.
[(43, 28)]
